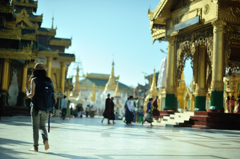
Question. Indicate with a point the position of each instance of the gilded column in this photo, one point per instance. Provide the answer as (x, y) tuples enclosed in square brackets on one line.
[(171, 99), (217, 64), (63, 69), (5, 79), (49, 66), (22, 94), (200, 92)]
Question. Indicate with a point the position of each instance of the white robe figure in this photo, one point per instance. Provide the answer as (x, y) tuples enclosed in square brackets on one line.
[(13, 90)]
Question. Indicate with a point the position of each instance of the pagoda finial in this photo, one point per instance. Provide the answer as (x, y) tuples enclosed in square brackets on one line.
[(52, 21), (117, 93), (93, 97)]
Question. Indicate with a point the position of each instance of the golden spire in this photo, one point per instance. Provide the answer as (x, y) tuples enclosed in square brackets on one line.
[(117, 90), (52, 21), (93, 97), (153, 90), (111, 84)]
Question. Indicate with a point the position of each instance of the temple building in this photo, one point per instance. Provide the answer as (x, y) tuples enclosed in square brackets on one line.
[(100, 85), (23, 44), (207, 33)]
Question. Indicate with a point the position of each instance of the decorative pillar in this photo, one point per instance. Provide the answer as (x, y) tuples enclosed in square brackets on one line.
[(4, 87), (171, 99), (217, 67), (68, 94), (63, 69), (200, 92), (22, 94), (49, 66)]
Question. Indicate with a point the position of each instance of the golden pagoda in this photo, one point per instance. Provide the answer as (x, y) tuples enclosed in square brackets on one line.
[(117, 93), (152, 92), (76, 86), (111, 84), (93, 96)]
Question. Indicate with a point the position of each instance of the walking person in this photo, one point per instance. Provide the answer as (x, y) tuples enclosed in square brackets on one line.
[(156, 113), (64, 107), (232, 104), (149, 117), (68, 114), (112, 116), (129, 111), (87, 110), (228, 103), (43, 101), (1, 106), (107, 111)]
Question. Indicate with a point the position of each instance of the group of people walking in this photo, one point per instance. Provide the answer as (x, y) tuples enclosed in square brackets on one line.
[(231, 104), (109, 110), (129, 110)]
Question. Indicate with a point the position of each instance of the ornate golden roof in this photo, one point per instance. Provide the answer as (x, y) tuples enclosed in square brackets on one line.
[(153, 90), (25, 53), (26, 4), (93, 97), (111, 84)]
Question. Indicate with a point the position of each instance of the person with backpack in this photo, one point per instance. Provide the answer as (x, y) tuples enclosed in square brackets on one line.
[(43, 101)]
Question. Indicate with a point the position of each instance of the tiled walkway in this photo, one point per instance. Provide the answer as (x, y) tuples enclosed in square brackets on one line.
[(88, 138)]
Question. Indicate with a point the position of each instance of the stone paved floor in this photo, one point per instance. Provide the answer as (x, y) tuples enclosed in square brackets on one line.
[(87, 138)]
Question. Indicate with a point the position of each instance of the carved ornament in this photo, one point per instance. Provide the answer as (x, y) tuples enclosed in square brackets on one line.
[(232, 35), (206, 9), (6, 8), (234, 11), (65, 43), (189, 15), (25, 53), (14, 34), (52, 32), (183, 3), (171, 90), (26, 4)]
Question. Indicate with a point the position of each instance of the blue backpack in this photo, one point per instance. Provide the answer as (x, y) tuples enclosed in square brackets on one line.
[(44, 95)]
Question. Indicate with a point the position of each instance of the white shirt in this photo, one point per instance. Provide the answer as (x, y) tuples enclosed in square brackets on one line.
[(129, 104), (63, 103)]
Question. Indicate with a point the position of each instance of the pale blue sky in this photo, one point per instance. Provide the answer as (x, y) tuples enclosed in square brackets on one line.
[(102, 27)]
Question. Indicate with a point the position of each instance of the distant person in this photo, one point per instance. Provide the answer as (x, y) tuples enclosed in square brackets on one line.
[(64, 107), (87, 110), (186, 109), (129, 111), (107, 111), (140, 114), (116, 116), (238, 105), (68, 114), (232, 104), (112, 116), (149, 117), (43, 101), (125, 109), (228, 104), (156, 113)]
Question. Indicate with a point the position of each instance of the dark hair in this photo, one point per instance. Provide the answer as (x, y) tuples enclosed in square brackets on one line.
[(64, 96), (130, 97), (228, 98), (108, 94), (232, 97), (141, 106), (150, 99), (41, 74)]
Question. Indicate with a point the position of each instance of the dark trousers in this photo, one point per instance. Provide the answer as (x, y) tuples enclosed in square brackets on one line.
[(39, 122), (87, 114), (64, 112)]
